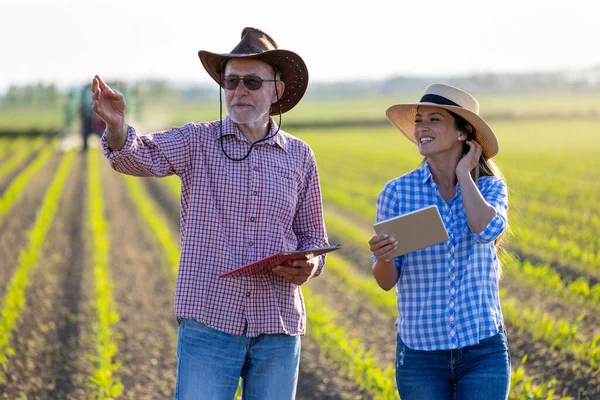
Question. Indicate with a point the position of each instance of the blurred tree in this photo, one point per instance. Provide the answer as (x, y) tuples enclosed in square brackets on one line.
[(32, 95)]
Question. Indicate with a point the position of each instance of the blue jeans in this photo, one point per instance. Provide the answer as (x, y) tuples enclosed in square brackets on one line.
[(478, 372), (211, 362)]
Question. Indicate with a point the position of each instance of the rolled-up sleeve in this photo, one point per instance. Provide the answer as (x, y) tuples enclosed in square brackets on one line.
[(495, 192), (159, 154)]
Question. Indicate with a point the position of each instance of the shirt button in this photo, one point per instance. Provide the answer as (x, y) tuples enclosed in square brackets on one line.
[(247, 294), (256, 168), (451, 298), (250, 243), (452, 276), (451, 251), (254, 192), (451, 319), (252, 219)]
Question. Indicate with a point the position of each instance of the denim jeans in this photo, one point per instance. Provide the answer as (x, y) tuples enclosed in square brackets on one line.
[(211, 362), (478, 372)]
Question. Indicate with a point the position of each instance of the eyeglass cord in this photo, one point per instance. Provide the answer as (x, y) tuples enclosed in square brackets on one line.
[(258, 141)]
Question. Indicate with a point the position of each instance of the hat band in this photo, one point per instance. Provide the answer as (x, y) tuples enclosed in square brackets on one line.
[(434, 98)]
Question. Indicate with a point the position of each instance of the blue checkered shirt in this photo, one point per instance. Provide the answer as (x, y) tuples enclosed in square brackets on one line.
[(447, 293)]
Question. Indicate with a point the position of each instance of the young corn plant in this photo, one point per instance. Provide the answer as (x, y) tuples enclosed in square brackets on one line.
[(16, 189), (158, 224), (19, 155), (103, 381), (347, 353)]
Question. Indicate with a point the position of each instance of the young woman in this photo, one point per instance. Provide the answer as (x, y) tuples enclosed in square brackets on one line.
[(451, 341)]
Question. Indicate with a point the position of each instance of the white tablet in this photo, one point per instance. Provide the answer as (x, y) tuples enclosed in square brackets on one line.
[(414, 230)]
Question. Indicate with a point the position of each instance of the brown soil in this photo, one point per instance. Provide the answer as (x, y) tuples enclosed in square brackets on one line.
[(17, 222), (144, 292), (318, 379), (6, 179), (50, 357)]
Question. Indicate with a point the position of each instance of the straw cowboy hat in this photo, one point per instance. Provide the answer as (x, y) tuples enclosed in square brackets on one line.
[(258, 45), (452, 99)]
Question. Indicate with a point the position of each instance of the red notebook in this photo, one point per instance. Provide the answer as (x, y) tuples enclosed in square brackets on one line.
[(265, 265)]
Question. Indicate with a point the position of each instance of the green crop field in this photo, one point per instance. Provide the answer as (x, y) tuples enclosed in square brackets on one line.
[(571, 106), (28, 119), (88, 256)]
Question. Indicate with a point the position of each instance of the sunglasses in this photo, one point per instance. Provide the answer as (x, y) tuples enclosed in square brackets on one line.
[(252, 82)]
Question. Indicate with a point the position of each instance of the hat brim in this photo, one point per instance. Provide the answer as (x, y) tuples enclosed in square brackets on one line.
[(402, 116), (293, 71)]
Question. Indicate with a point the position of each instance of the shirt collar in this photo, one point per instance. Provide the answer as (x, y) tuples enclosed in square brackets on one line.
[(427, 177), (426, 173), (231, 128)]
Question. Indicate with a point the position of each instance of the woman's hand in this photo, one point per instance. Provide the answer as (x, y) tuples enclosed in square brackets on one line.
[(382, 246), (469, 160)]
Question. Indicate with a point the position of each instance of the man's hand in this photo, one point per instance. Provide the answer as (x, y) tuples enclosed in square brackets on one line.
[(298, 271), (110, 106)]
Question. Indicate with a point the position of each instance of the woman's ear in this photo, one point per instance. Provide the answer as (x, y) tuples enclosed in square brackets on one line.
[(465, 135)]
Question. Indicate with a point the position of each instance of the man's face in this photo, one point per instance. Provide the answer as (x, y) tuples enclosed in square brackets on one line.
[(247, 106)]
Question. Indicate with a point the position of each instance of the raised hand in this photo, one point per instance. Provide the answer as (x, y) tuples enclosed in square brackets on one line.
[(469, 160), (108, 104)]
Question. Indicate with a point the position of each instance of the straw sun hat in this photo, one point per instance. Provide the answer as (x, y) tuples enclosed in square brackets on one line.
[(451, 99), (256, 44)]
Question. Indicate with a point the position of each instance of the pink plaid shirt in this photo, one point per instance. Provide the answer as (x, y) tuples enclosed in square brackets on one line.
[(234, 213)]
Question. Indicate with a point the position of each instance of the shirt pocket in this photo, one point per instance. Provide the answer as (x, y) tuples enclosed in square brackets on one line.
[(282, 201)]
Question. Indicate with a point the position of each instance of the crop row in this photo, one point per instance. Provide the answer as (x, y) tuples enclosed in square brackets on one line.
[(102, 381), (347, 353), (15, 296), (18, 153), (17, 187)]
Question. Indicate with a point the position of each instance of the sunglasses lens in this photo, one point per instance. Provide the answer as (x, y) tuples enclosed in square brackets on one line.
[(252, 82), (231, 82)]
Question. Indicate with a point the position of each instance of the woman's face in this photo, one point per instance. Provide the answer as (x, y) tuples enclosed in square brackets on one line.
[(436, 132)]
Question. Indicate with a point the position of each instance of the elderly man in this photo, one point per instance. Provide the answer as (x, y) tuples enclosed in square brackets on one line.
[(249, 190)]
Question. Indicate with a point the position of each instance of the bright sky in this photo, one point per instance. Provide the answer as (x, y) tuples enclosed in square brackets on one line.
[(67, 42)]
